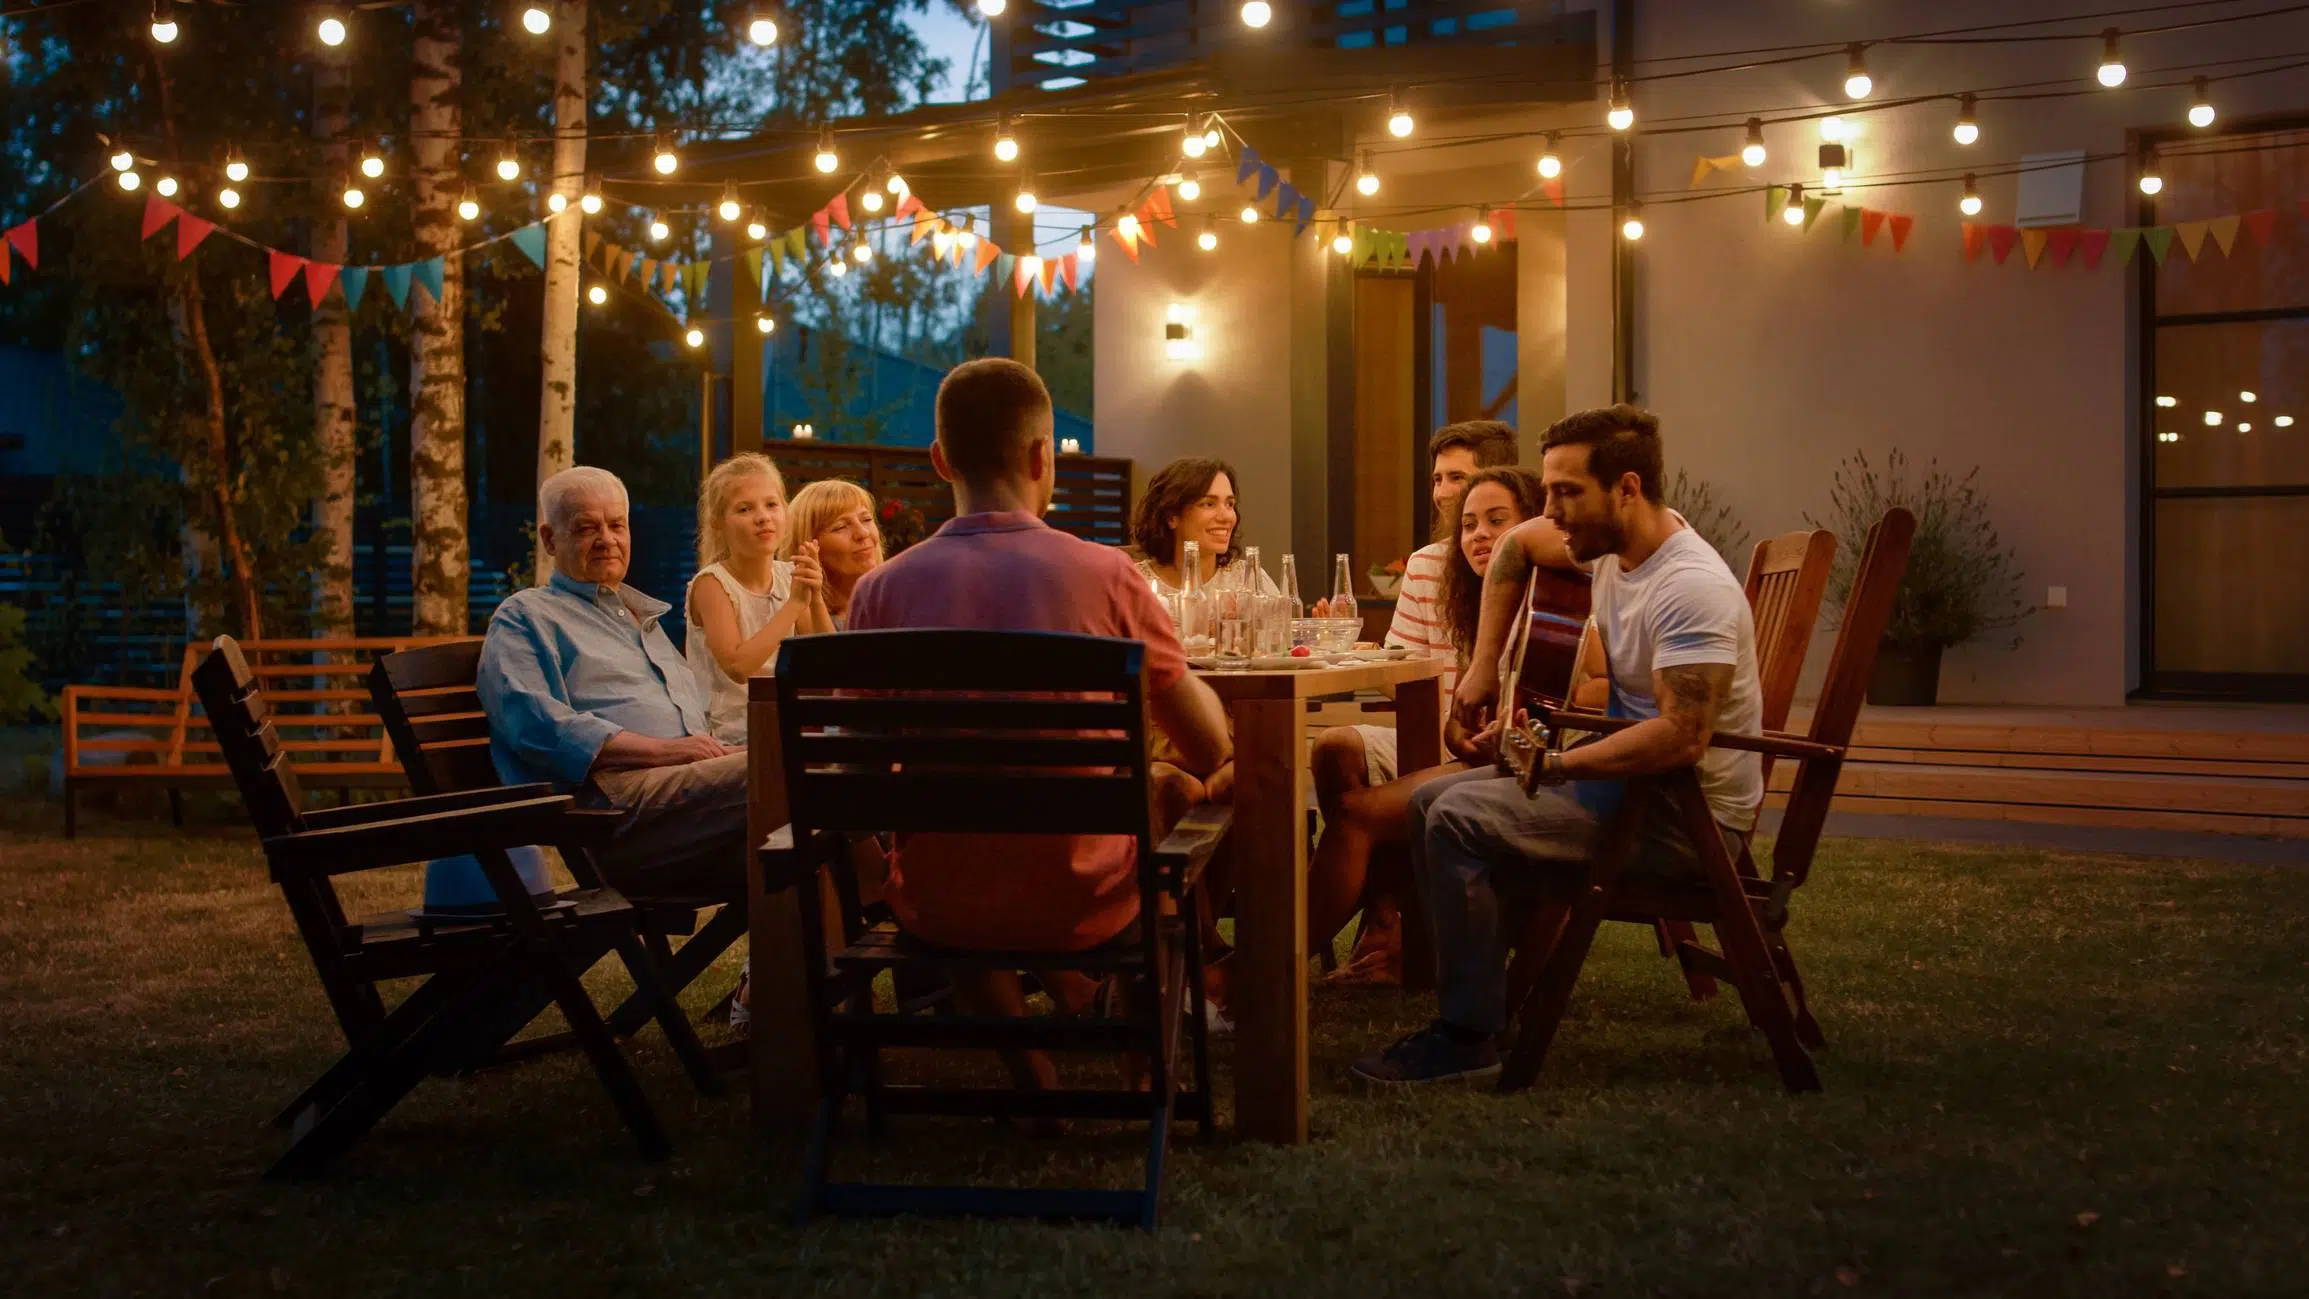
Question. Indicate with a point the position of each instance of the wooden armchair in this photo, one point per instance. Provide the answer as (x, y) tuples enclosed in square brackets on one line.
[(1746, 911), (477, 970), (989, 733)]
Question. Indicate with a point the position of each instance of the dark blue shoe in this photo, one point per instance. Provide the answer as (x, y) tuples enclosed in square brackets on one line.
[(1433, 1054)]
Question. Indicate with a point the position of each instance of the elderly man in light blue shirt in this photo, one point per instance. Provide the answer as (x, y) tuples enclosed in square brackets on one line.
[(584, 692)]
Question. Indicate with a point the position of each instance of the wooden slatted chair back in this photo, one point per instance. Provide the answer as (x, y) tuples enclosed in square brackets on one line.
[(1787, 580), (431, 710), (242, 723), (1867, 612)]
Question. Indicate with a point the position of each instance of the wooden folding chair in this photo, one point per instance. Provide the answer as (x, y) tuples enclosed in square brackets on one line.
[(475, 968), (1787, 580), (431, 710), (994, 733), (1745, 911)]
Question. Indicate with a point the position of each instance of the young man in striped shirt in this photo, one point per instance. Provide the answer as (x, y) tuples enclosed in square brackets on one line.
[(1351, 759)]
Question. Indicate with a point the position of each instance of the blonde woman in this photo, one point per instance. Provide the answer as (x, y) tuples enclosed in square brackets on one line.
[(746, 599), (834, 519)]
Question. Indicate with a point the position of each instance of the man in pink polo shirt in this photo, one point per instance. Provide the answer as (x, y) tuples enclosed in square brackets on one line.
[(998, 566)]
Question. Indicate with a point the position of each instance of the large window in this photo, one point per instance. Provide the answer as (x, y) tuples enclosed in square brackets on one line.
[(2226, 423)]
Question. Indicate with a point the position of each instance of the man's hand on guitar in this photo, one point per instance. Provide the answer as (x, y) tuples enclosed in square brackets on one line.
[(1478, 686)]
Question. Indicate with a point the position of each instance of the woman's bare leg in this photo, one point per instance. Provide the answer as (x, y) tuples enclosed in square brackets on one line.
[(1372, 822)]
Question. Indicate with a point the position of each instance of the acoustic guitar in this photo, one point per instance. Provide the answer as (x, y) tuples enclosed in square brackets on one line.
[(1542, 653)]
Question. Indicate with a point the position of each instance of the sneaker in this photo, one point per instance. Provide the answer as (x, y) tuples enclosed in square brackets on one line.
[(742, 1004), (1431, 1055)]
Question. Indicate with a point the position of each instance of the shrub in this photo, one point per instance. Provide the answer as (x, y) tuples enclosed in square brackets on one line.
[(1962, 581)]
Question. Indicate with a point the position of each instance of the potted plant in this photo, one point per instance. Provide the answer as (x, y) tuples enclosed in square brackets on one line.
[(1387, 578), (1710, 516), (1962, 581)]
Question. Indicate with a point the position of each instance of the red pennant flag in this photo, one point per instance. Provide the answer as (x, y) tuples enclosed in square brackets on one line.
[(190, 230), (1871, 221), (2060, 245), (1974, 238), (1503, 224), (1902, 223), (158, 212), (1049, 274), (1022, 273), (2001, 240), (1145, 230), (1553, 189), (839, 205), (285, 267), (1159, 205), (318, 277), (5, 263), (2094, 243), (2261, 223), (25, 239), (907, 206), (987, 253), (818, 223), (1068, 266)]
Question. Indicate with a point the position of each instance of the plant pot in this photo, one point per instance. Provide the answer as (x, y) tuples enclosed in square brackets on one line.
[(1905, 676), (1386, 584)]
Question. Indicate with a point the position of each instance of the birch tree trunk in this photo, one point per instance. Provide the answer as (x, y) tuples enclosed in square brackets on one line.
[(333, 406), (438, 568), (557, 410)]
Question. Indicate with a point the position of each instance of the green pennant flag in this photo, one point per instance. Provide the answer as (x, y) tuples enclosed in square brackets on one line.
[(2122, 243), (777, 251), (798, 243), (2160, 240), (1361, 252), (1812, 209), (694, 283), (1851, 223), (754, 264), (1775, 198)]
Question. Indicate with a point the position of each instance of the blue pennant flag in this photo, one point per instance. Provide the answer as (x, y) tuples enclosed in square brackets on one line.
[(1003, 267), (1267, 178), (429, 275), (1286, 200), (1248, 164), (1306, 213), (354, 280), (531, 240), (397, 284)]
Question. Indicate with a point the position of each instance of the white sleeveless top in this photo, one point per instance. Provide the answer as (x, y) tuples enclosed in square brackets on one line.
[(725, 698)]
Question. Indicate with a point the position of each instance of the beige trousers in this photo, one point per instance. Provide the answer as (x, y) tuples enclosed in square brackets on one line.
[(685, 831)]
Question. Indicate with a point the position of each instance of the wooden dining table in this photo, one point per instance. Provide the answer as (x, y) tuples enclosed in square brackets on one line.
[(1268, 984)]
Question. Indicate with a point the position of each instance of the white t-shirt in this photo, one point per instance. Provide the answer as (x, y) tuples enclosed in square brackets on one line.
[(726, 698), (1683, 606)]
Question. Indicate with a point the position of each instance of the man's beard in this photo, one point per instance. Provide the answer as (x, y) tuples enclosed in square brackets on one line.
[(1589, 542)]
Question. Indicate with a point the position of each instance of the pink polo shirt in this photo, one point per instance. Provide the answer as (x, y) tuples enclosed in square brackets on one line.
[(1013, 572)]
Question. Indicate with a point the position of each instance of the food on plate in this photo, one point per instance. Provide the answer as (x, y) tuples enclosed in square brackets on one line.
[(1301, 652)]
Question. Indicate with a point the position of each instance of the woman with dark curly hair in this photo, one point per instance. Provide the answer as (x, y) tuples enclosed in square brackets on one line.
[(1189, 500)]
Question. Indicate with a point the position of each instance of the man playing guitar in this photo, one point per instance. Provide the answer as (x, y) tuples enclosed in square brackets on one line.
[(1681, 654)]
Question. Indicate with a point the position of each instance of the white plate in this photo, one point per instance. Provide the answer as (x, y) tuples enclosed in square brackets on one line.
[(1286, 663)]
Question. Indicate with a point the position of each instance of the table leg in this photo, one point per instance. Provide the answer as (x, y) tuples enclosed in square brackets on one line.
[(783, 1056), (1419, 746), (1269, 843)]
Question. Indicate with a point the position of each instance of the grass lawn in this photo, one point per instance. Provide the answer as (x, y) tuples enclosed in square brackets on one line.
[(2048, 1074)]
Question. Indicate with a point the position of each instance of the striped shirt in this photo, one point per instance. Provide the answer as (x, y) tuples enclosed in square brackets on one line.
[(1418, 613)]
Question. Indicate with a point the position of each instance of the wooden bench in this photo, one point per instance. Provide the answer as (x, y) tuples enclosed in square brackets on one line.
[(130, 735)]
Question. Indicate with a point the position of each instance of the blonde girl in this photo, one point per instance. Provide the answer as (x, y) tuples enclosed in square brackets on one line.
[(835, 517), (746, 598)]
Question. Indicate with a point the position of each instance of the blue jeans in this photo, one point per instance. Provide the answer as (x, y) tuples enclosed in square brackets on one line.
[(1467, 827)]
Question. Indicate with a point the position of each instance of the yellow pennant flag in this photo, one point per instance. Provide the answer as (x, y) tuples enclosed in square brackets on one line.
[(2032, 244), (2224, 232), (1703, 167), (2192, 236)]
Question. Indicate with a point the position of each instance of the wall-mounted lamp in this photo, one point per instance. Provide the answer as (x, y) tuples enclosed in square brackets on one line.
[(1070, 446), (1179, 340), (805, 431)]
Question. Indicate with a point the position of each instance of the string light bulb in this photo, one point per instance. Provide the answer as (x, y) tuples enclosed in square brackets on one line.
[(1193, 144), (665, 160), (1832, 129), (2201, 105), (1366, 180), (1025, 201), (695, 337), (508, 165), (757, 229), (1752, 153), (2167, 403), (993, 8), (2248, 396), (762, 29), (862, 252), (1969, 205), (1126, 225), (1086, 249), (372, 163), (729, 209), (353, 196), (1793, 211), (165, 187), (535, 20), (1550, 161), (1208, 240), (590, 204), (1481, 231), (228, 198), (659, 231), (130, 181), (1620, 115), (1967, 120), (557, 202), (1857, 82), (967, 235), (826, 159), (1257, 13), (2112, 70), (331, 28), (1342, 243), (1249, 216), (2283, 421), (2151, 183), (597, 295), (837, 268), (123, 160), (468, 207), (1005, 144), (1632, 229), (763, 324), (1190, 188), (236, 168), (896, 185), (1211, 136), (164, 28), (1399, 121)]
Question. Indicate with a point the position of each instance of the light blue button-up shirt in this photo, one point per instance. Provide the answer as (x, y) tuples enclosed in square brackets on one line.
[(569, 664)]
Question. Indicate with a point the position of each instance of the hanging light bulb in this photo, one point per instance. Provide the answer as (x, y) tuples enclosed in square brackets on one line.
[(2167, 403), (870, 199), (1481, 231), (1632, 229), (941, 241), (1752, 153), (659, 231), (763, 324), (353, 196), (1399, 123), (1208, 240), (1342, 243), (2201, 105), (1086, 248), (1857, 82), (966, 236), (1211, 136), (729, 209), (468, 207), (591, 203), (695, 337), (557, 202), (896, 185), (837, 268), (862, 252), (1126, 225), (1190, 188), (1969, 205), (236, 168), (2248, 396), (331, 28), (1025, 201), (597, 295), (1793, 212), (1249, 216), (372, 162), (535, 20), (1366, 180), (1832, 129), (757, 229), (993, 8), (164, 27), (165, 187), (509, 165), (228, 198), (1832, 180), (826, 159), (1550, 161), (2112, 71), (2283, 421), (122, 160), (762, 29), (1005, 144), (1194, 145), (665, 160), (2151, 183), (1967, 120), (1621, 115), (1257, 13), (129, 180)]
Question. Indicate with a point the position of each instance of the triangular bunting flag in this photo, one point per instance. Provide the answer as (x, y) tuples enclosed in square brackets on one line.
[(1268, 179), (7, 261), (2192, 234), (614, 260), (1306, 214), (1553, 189), (2123, 242), (1159, 203), (429, 274), (530, 239), (2094, 243), (397, 284), (925, 225), (1286, 199), (667, 273), (908, 206), (777, 252), (1851, 217), (648, 271), (190, 230), (2001, 241), (839, 207), (2032, 244), (1145, 233), (1775, 198), (1247, 164), (1018, 271), (1701, 166), (1049, 275), (1362, 239), (158, 212), (987, 252), (25, 239), (1503, 224), (2061, 246), (1068, 267), (1975, 238), (318, 277), (2159, 240), (694, 284), (285, 267), (818, 220), (1871, 221), (1812, 210), (754, 264), (798, 244), (1902, 223), (2225, 233), (592, 241), (354, 280), (2261, 223)]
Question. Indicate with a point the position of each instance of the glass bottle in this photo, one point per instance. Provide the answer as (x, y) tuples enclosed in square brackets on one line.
[(1343, 596), (1194, 603), (1232, 607), (1291, 587)]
